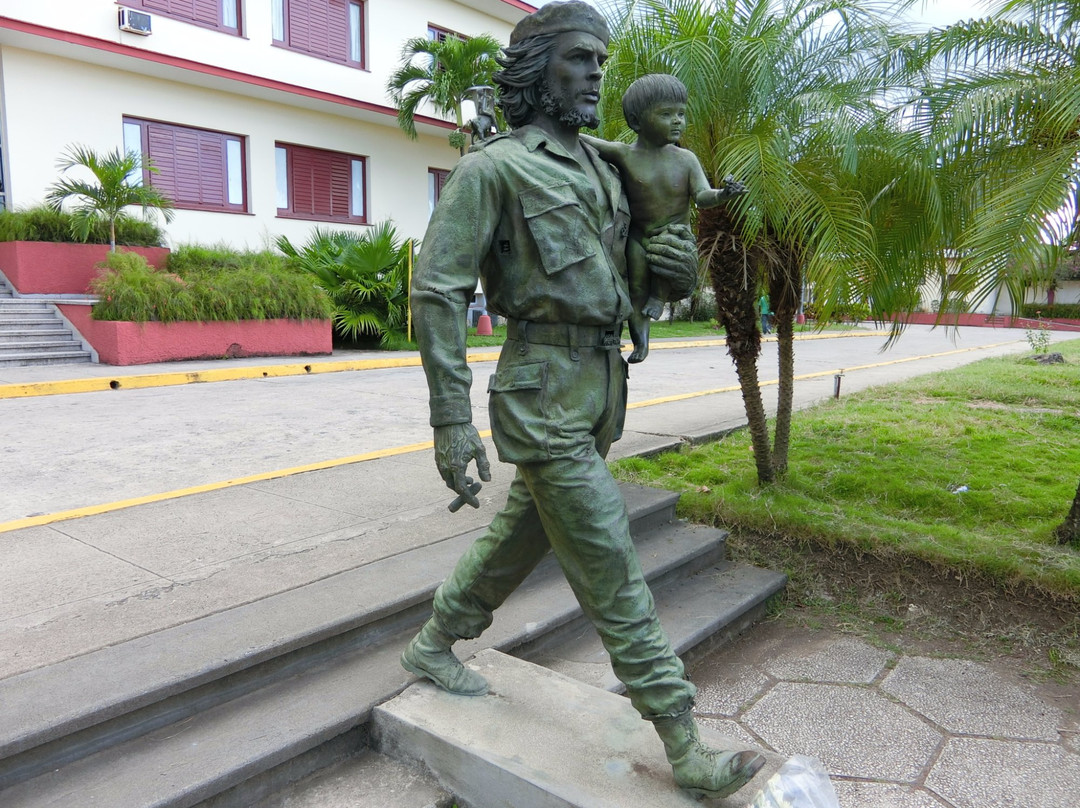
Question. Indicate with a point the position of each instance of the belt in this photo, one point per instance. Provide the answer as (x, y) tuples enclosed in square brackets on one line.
[(565, 334)]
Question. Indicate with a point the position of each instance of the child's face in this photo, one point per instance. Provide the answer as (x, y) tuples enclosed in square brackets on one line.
[(663, 123)]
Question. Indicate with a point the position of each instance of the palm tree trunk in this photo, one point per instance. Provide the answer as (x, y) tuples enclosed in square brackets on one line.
[(784, 290), (1068, 532), (734, 276)]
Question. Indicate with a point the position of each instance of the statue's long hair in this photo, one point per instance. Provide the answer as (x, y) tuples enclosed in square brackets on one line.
[(521, 80)]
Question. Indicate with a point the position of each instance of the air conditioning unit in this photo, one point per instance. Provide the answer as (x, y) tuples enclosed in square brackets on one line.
[(135, 22)]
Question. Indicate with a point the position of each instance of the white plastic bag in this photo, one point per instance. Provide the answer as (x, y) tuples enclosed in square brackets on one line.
[(801, 783)]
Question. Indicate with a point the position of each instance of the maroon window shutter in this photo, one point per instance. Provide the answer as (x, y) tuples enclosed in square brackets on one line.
[(204, 12), (320, 182), (191, 165), (320, 27)]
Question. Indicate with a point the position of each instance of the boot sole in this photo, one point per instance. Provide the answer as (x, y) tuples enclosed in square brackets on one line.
[(746, 775), (423, 674)]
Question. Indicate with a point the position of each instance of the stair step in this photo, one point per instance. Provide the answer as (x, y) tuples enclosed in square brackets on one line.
[(59, 358), (36, 344), (53, 330), (245, 692), (543, 741)]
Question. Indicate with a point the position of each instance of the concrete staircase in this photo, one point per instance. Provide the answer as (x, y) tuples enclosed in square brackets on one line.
[(229, 709), (32, 333)]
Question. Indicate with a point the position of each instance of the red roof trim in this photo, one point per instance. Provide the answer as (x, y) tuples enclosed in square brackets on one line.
[(519, 4), (210, 70)]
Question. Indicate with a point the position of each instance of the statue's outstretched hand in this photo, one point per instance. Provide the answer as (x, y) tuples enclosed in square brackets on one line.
[(672, 254), (455, 446)]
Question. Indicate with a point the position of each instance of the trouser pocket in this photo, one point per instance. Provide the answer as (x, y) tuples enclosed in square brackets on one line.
[(518, 412)]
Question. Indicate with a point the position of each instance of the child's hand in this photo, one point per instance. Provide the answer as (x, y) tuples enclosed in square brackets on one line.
[(731, 186)]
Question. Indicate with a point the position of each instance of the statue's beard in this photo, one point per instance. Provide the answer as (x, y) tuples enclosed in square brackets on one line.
[(556, 106)]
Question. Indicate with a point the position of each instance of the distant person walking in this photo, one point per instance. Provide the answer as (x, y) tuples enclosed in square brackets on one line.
[(766, 313)]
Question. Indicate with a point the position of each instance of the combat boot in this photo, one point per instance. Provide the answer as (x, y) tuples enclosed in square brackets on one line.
[(428, 654), (703, 771)]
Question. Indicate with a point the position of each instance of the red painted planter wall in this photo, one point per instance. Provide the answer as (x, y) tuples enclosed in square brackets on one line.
[(128, 343), (54, 268)]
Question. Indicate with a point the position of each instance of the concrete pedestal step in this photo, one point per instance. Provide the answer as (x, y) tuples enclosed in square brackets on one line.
[(540, 739), (230, 708)]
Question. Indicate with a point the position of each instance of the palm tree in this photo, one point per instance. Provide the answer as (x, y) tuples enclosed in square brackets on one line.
[(109, 195), (365, 274), (1000, 101), (782, 96), (440, 72)]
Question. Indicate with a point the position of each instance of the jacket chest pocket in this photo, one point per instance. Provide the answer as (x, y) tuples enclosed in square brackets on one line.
[(558, 225)]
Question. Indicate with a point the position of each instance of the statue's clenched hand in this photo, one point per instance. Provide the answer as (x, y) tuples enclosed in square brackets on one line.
[(455, 446), (672, 254)]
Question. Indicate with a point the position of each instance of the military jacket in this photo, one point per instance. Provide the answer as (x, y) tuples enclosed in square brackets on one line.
[(522, 216)]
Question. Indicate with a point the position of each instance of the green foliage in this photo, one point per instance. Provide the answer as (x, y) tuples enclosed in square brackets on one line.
[(998, 101), (885, 471), (440, 73), (206, 284), (1057, 311), (108, 194), (365, 275), (42, 223)]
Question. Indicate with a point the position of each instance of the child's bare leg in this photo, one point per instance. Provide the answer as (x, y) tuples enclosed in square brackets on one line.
[(659, 292), (637, 270)]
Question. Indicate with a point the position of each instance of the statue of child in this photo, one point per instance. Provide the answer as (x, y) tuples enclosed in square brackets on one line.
[(661, 179)]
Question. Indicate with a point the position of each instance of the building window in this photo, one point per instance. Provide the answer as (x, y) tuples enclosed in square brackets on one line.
[(198, 169), (439, 34), (321, 185), (223, 15), (328, 29), (436, 179)]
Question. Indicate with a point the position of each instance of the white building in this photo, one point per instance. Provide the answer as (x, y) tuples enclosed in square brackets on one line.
[(263, 117)]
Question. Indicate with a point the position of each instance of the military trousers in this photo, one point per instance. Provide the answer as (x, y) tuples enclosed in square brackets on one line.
[(555, 409)]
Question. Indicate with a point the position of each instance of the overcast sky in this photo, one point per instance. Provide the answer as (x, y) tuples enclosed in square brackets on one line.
[(928, 13)]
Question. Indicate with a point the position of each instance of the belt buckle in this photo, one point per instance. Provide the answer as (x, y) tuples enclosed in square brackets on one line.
[(609, 338)]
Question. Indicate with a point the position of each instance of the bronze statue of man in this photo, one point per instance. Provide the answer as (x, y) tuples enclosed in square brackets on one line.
[(542, 221)]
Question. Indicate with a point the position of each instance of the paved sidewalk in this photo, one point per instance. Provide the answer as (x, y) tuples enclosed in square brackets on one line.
[(902, 732), (896, 730)]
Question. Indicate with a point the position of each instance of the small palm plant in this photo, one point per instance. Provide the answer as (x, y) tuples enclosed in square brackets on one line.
[(109, 195), (365, 275), (440, 73)]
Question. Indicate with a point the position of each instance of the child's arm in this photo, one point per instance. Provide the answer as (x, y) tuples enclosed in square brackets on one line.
[(704, 195), (610, 150)]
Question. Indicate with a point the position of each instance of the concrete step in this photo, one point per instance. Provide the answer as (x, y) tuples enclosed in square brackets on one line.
[(21, 304), (29, 319), (37, 345), (233, 706), (20, 359), (541, 740), (50, 332)]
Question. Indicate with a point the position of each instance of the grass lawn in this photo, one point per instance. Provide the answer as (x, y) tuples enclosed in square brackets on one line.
[(967, 470)]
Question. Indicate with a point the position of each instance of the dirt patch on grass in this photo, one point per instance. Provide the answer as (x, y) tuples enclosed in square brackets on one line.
[(917, 608)]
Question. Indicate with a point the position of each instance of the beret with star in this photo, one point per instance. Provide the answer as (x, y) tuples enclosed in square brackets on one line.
[(558, 18)]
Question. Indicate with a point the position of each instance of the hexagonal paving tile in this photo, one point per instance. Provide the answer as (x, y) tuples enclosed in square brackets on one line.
[(964, 696), (835, 659), (725, 695), (854, 731), (856, 794), (976, 773)]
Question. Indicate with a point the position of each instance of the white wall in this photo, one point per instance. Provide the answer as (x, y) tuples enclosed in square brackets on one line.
[(53, 94)]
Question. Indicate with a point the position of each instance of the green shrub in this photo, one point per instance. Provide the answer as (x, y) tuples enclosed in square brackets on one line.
[(1058, 311), (365, 275), (44, 224), (207, 284)]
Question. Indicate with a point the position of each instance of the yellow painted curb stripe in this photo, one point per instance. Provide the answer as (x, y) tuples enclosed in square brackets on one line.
[(139, 381), (816, 375), (136, 381), (108, 507)]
